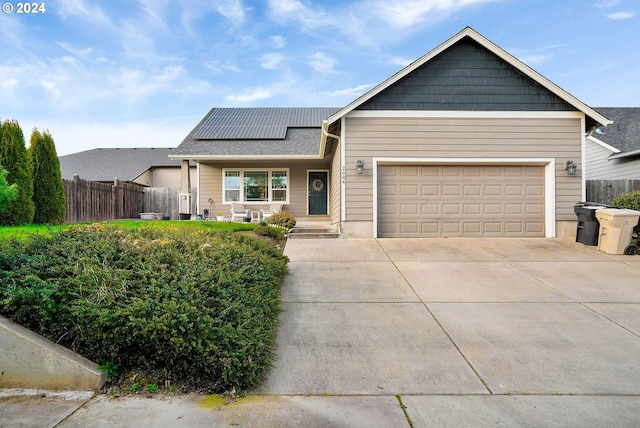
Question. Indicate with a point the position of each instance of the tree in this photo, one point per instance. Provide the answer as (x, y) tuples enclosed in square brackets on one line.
[(8, 192), (13, 156), (48, 190)]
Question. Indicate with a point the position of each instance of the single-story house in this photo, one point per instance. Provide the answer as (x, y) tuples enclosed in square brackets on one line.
[(465, 141), (149, 167), (613, 153)]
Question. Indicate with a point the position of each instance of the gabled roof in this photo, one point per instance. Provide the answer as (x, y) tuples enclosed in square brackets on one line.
[(623, 136), (105, 164), (468, 32), (256, 133)]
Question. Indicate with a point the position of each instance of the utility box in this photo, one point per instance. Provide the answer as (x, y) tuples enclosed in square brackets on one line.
[(588, 226), (616, 227)]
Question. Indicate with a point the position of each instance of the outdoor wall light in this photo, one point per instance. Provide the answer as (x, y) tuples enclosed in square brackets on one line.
[(571, 168), (359, 167)]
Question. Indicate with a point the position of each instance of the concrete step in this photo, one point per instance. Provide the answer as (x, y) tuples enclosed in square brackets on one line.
[(302, 235), (313, 232)]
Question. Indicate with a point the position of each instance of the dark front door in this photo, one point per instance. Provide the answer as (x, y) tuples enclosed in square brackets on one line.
[(317, 193)]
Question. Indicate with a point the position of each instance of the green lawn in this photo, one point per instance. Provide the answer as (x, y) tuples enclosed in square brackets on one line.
[(21, 232)]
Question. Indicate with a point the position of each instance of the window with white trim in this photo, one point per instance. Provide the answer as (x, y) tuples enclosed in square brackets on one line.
[(255, 185)]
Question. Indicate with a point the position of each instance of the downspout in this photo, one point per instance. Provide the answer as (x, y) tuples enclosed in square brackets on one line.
[(325, 134)]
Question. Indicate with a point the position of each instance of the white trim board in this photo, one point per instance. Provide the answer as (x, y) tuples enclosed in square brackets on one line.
[(466, 114), (549, 180)]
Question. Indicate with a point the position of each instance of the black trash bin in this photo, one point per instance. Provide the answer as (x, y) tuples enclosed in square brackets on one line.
[(588, 225)]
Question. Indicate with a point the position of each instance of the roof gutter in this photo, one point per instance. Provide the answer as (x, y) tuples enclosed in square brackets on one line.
[(624, 155), (323, 137)]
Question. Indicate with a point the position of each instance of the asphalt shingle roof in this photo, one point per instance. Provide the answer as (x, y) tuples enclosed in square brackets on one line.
[(624, 132), (105, 164), (249, 132)]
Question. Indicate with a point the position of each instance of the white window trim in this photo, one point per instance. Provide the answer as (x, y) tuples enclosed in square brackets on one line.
[(242, 171)]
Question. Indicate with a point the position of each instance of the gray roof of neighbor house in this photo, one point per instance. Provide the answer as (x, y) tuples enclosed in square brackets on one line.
[(256, 132), (624, 133), (105, 164)]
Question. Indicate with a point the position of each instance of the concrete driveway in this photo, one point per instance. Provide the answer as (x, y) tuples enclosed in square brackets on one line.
[(461, 332)]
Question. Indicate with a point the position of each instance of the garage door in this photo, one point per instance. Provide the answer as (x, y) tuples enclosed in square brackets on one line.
[(437, 201)]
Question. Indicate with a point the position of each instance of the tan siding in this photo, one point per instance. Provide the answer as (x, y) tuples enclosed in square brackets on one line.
[(336, 187), (367, 138), (211, 184)]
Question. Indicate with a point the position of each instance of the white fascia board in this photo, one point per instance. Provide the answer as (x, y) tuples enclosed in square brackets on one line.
[(198, 158), (549, 180), (466, 114), (603, 144), (343, 169)]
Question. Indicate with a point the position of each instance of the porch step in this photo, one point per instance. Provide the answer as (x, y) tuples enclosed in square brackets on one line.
[(313, 232)]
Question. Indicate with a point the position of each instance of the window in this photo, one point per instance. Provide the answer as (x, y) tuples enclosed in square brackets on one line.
[(256, 185), (279, 186), (231, 186)]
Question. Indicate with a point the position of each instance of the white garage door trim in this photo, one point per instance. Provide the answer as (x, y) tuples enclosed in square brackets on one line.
[(549, 180)]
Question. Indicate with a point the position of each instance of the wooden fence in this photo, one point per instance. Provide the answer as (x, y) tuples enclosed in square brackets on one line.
[(605, 191), (166, 200), (94, 201)]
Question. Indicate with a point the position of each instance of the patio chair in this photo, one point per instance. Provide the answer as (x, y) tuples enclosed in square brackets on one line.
[(273, 208), (238, 211)]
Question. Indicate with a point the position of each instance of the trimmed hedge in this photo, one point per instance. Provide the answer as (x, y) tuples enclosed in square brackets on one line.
[(197, 306)]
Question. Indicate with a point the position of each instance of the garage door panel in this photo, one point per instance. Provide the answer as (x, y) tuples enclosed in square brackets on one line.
[(433, 201)]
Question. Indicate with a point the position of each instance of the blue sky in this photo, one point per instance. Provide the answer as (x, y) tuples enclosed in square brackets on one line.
[(125, 73)]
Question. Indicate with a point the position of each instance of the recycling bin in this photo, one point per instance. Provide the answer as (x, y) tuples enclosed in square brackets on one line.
[(588, 226), (616, 227)]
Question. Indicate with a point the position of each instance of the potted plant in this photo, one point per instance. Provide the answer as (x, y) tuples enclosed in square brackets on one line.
[(220, 216)]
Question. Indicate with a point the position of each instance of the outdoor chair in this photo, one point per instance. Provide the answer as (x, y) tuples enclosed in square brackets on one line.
[(238, 211), (273, 208)]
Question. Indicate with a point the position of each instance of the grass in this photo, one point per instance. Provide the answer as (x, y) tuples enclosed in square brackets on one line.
[(20, 233)]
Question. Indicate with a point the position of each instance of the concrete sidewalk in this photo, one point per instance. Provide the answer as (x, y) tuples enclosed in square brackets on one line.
[(437, 332)]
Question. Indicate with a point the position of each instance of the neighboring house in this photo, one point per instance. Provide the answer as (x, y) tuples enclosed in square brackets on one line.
[(465, 141), (613, 153), (149, 167)]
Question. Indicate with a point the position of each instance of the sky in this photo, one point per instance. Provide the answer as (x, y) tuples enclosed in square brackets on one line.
[(143, 73)]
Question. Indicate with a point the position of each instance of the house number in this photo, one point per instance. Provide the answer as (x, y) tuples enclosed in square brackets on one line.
[(343, 174)]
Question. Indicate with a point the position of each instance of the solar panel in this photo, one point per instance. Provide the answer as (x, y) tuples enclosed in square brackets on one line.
[(258, 123)]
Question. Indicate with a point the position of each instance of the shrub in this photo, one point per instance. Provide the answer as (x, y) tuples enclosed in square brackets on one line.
[(198, 306), (268, 231), (13, 157), (283, 219), (48, 190), (630, 200), (8, 192)]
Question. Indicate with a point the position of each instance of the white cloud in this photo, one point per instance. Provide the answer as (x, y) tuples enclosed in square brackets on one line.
[(534, 59), (278, 41), (617, 16), (402, 62), (249, 96), (606, 3), (77, 52), (407, 13), (271, 61), (90, 13), (356, 91), (232, 10), (322, 63), (218, 67), (295, 11)]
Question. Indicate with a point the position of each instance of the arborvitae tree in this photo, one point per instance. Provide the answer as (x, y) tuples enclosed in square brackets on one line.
[(48, 190), (13, 156), (8, 192)]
